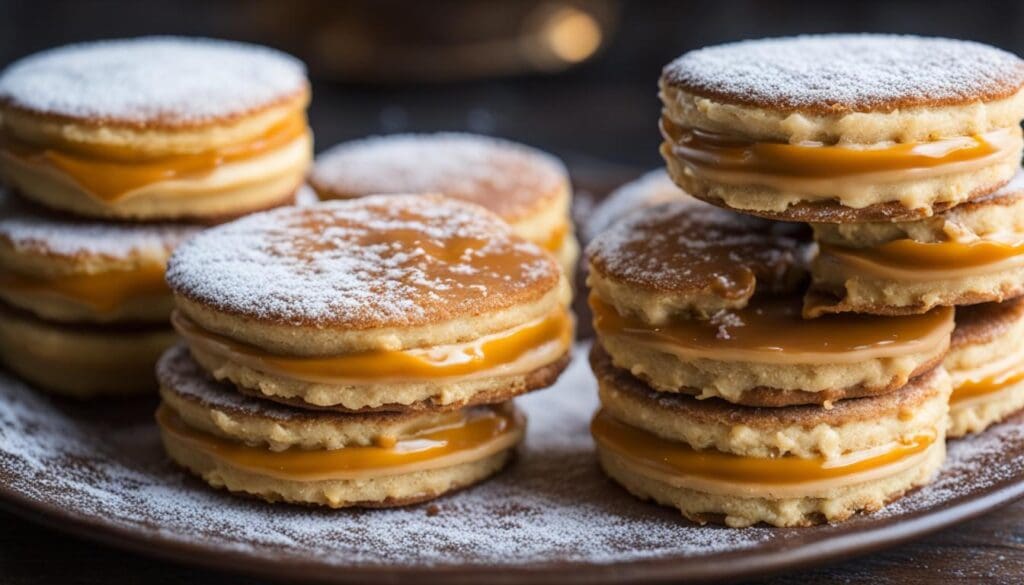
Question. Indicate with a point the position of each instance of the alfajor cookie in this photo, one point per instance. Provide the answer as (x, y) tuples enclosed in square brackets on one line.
[(383, 303), (699, 300), (972, 253), (156, 128), (527, 188), (277, 453), (789, 466), (83, 304), (843, 128), (986, 363)]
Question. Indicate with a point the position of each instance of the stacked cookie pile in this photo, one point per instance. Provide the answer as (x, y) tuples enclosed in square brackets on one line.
[(367, 350), (734, 390), (527, 188), (115, 152)]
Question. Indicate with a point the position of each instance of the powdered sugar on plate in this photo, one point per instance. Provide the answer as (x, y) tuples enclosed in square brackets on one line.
[(510, 179), (860, 72), (152, 80), (32, 230), (553, 506)]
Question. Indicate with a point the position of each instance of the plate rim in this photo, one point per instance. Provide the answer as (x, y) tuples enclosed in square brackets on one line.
[(850, 541)]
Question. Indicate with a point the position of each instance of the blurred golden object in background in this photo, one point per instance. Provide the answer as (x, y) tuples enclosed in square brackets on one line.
[(447, 40)]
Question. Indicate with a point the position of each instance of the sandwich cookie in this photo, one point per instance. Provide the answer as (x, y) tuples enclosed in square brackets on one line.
[(973, 253), (383, 303), (277, 453), (986, 363), (156, 128), (527, 188), (83, 304), (649, 189), (698, 300), (790, 466), (843, 128)]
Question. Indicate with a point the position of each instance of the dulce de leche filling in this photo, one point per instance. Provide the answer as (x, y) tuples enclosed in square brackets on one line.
[(987, 381), (111, 173), (709, 469), (771, 330), (103, 292), (909, 260), (701, 149), (519, 350), (476, 433)]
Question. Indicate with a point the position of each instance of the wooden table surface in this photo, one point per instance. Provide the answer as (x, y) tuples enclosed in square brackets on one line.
[(989, 549)]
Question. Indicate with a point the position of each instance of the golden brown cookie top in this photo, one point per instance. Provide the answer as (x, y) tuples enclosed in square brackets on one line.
[(687, 246), (510, 179), (840, 73), (386, 261), (152, 82)]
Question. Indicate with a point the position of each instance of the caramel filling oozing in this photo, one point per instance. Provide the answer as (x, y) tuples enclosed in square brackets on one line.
[(703, 149), (908, 259), (676, 459), (771, 330), (556, 239), (478, 433), (110, 173), (545, 339), (103, 292), (985, 385)]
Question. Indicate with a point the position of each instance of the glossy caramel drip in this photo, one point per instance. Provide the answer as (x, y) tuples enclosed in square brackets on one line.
[(679, 459), (908, 254), (110, 173), (720, 152), (553, 332), (476, 429), (104, 292), (771, 328), (975, 387)]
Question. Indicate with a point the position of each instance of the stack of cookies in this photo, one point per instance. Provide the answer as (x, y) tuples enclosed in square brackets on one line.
[(114, 153), (736, 391), (527, 188), (358, 353)]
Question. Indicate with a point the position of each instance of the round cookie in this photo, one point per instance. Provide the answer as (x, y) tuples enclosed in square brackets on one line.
[(651, 188), (156, 128), (276, 453), (843, 128), (66, 269), (790, 466), (528, 188), (389, 303), (973, 253), (698, 300), (986, 363), (82, 360)]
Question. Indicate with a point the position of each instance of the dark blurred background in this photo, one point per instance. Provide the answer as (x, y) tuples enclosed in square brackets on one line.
[(574, 77)]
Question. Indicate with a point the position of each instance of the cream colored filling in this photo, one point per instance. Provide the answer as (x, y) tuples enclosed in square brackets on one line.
[(856, 190), (809, 488)]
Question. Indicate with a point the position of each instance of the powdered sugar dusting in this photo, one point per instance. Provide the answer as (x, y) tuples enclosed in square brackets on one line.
[(152, 80), (29, 229), (687, 245), (652, 188), (552, 506), (380, 261), (510, 179), (848, 72)]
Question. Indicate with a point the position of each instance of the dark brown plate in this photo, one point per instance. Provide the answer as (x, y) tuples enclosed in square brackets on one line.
[(97, 470)]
